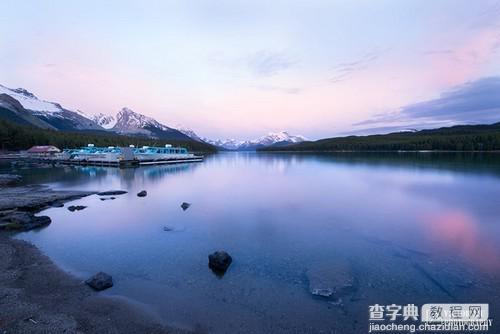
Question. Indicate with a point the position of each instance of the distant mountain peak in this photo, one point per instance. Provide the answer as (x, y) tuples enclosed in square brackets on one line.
[(129, 122), (126, 110), (50, 113), (106, 121), (25, 92), (272, 138), (189, 132)]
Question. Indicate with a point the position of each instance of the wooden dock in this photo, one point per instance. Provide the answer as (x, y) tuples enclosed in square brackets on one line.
[(123, 163)]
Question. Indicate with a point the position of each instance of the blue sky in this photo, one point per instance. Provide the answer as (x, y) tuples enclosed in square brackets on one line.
[(242, 68)]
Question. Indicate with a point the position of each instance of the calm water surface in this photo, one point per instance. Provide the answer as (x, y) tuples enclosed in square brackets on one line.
[(398, 228)]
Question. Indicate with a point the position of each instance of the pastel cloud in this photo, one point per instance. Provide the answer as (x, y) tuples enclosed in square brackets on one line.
[(267, 63), (473, 102), (238, 69)]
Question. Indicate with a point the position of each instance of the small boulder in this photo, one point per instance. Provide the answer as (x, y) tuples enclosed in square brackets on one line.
[(112, 193), (57, 205), (38, 221), (100, 281), (9, 179), (185, 205), (142, 193), (107, 198), (219, 262), (76, 207), (23, 221)]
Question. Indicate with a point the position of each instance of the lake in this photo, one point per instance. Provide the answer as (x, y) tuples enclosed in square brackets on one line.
[(383, 228)]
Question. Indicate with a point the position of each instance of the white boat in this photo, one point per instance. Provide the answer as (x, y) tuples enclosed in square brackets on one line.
[(152, 153), (126, 155)]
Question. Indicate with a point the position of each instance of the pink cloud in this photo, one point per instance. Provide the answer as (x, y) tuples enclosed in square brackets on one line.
[(467, 60)]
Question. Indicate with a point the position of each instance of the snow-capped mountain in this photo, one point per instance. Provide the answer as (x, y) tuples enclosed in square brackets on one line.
[(229, 144), (272, 138), (106, 121), (129, 122), (189, 132), (50, 112), (12, 110), (277, 137)]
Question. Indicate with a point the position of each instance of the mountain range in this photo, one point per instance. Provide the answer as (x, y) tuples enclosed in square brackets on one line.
[(23, 107), (271, 139)]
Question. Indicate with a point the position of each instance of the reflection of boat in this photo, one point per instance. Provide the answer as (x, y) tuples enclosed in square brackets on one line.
[(131, 155)]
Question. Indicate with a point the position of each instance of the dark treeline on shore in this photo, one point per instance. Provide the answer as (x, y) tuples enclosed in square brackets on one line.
[(19, 137), (456, 138)]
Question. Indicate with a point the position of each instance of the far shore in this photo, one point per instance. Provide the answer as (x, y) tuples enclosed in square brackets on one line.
[(36, 296)]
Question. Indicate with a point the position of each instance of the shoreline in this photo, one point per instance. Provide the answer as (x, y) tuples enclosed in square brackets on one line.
[(37, 296)]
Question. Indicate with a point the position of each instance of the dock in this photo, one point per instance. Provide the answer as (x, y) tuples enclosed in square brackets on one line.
[(113, 156), (123, 163)]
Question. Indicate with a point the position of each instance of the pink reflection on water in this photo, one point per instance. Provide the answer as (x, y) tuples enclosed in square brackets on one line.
[(458, 233)]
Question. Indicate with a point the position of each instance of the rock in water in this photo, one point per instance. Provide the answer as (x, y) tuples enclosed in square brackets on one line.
[(9, 179), (100, 281), (37, 222), (142, 193), (185, 206), (331, 280), (219, 262), (112, 193), (76, 207), (19, 220)]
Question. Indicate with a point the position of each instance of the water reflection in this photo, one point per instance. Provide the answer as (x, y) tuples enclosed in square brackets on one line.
[(458, 234), (406, 228)]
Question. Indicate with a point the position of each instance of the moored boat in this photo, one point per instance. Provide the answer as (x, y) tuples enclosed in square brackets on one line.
[(130, 155)]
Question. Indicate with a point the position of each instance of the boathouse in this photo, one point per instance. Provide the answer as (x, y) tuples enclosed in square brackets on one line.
[(43, 151)]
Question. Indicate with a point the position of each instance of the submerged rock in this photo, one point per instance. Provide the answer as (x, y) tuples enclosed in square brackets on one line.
[(100, 281), (36, 197), (9, 179), (185, 205), (107, 198), (331, 280), (25, 221), (219, 261), (76, 207), (112, 193), (142, 193), (172, 228)]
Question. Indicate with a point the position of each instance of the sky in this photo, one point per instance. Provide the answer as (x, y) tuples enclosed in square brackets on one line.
[(240, 69)]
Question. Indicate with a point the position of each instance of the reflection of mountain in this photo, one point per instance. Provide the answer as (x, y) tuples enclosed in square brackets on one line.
[(462, 162)]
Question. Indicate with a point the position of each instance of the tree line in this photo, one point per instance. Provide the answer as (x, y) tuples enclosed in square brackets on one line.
[(15, 137), (457, 138)]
